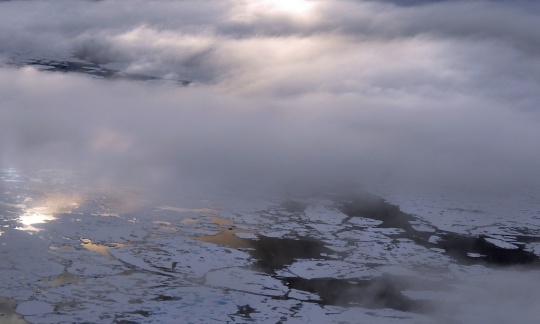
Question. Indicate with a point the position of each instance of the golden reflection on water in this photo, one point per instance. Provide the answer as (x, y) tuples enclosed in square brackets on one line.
[(44, 211), (226, 235), (101, 248)]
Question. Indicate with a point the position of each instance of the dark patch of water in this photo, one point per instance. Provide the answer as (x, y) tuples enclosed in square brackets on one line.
[(457, 246), (275, 253), (377, 208), (460, 246), (382, 292), (246, 311), (166, 298), (294, 206)]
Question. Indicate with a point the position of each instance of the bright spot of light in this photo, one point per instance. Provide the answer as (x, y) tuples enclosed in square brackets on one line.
[(298, 7), (32, 218)]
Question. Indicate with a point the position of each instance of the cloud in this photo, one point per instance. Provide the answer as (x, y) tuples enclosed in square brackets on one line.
[(343, 91), (488, 297), (167, 137)]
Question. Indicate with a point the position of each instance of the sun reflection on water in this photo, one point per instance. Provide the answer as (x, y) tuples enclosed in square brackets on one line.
[(45, 211), (102, 248), (33, 217)]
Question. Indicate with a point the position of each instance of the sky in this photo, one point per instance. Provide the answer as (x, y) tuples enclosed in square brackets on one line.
[(414, 94)]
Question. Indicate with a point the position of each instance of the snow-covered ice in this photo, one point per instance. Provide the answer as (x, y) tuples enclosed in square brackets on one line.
[(329, 262)]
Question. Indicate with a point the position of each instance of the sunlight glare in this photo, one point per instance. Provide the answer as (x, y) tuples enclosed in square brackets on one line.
[(45, 213), (31, 218), (293, 7), (298, 7)]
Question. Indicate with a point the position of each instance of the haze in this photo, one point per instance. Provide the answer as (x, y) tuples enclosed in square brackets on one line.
[(437, 93)]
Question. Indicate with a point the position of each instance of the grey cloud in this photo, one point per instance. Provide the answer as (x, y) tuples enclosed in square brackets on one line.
[(448, 46), (438, 93), (98, 50), (167, 137)]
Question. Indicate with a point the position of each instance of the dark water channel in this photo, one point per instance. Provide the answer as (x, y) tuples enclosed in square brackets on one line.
[(273, 254)]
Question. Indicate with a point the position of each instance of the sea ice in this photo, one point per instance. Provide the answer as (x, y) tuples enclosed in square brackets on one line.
[(34, 308)]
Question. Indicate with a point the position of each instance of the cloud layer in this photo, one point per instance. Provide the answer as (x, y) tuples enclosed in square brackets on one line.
[(438, 93)]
